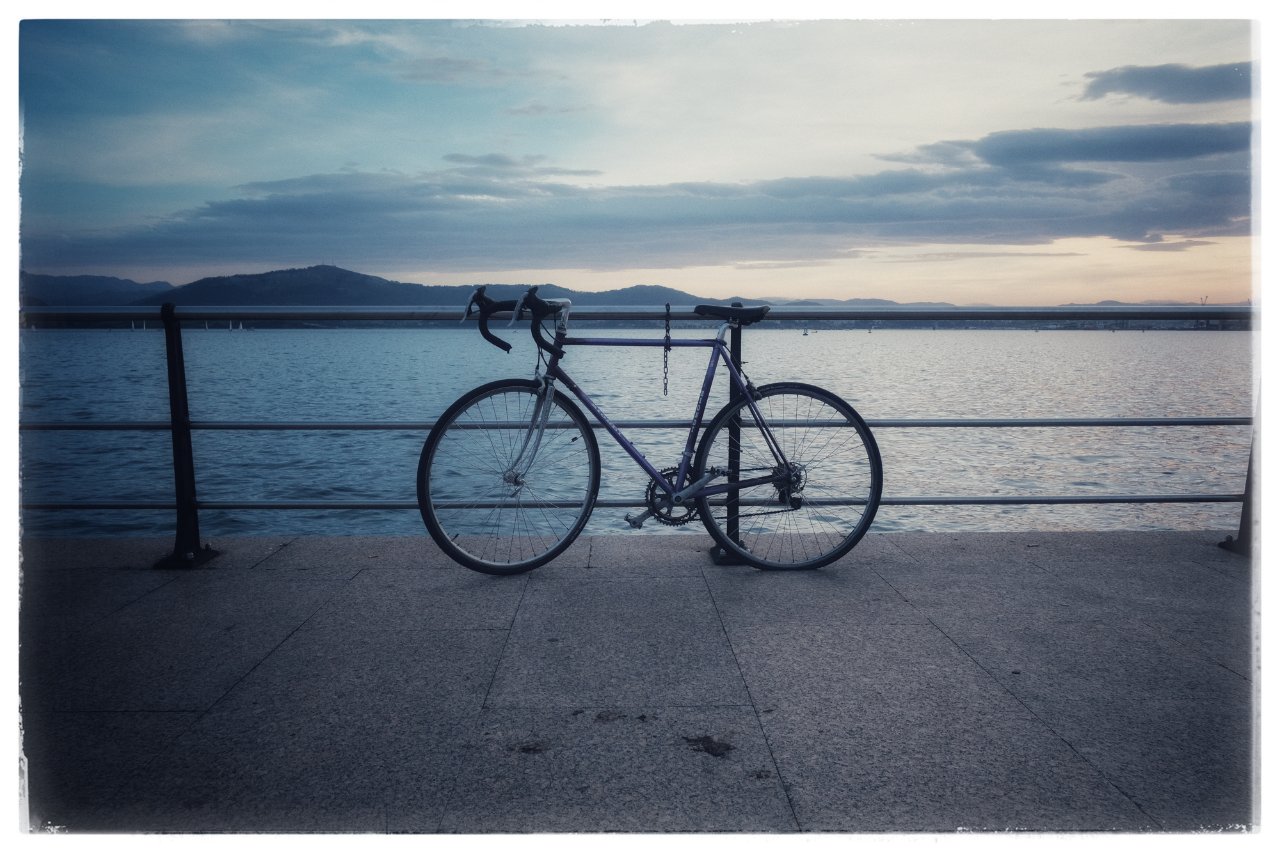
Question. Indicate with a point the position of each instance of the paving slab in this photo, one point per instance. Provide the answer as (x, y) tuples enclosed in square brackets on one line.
[(55, 554), (1074, 682), (68, 600), (967, 589), (846, 661), (347, 556), (1188, 601), (571, 666), (444, 598), (1185, 762), (620, 769), (844, 594), (645, 555), (1076, 660), (181, 647), (76, 761), (626, 641), (941, 759), (334, 732), (1109, 546)]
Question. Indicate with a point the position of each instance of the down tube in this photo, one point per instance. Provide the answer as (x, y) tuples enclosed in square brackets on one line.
[(621, 439)]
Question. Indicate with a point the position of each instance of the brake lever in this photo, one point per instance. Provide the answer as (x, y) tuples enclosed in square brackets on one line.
[(472, 302), (515, 313)]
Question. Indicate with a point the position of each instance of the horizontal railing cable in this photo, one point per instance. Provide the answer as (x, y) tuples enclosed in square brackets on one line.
[(425, 426), (397, 505), (436, 313)]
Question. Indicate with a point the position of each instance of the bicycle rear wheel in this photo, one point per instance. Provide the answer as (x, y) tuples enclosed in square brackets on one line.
[(811, 514), (494, 497)]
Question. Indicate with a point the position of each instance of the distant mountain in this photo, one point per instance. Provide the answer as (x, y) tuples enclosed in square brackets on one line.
[(329, 285), (319, 285), (326, 285), (59, 291), (787, 302)]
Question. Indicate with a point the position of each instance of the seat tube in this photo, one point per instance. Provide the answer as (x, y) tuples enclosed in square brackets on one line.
[(735, 432)]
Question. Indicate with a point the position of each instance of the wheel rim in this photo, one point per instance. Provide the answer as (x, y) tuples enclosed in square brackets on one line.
[(488, 511)]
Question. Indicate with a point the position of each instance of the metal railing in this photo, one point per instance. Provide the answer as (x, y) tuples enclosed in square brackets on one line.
[(188, 548)]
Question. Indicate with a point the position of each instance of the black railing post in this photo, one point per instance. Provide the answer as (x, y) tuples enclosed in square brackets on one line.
[(187, 549), (1243, 541), (718, 554)]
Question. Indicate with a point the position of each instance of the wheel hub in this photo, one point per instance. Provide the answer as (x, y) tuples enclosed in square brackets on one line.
[(791, 484)]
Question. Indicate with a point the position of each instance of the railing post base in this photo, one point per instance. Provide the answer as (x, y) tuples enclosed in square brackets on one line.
[(1242, 542), (1237, 545), (721, 557)]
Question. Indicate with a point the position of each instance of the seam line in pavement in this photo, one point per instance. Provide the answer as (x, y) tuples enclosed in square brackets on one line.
[(1048, 727), (755, 710)]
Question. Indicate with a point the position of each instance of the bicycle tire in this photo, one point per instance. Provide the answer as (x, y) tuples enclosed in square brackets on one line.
[(838, 471), (490, 524)]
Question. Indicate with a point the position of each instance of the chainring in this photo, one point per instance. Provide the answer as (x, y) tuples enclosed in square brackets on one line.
[(670, 514)]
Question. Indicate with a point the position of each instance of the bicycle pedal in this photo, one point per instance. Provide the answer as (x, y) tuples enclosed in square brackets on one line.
[(637, 521)]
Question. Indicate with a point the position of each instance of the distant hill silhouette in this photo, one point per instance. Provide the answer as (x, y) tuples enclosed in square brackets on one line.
[(57, 291), (327, 285), (330, 286)]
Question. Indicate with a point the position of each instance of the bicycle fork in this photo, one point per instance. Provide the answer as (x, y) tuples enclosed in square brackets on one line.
[(519, 467)]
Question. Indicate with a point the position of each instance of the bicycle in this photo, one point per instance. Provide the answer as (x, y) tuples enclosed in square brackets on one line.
[(785, 476)]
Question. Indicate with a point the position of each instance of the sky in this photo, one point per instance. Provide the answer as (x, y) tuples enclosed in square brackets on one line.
[(1008, 162)]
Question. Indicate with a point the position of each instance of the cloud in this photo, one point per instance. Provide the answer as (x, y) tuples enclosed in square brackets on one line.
[(780, 265), (944, 257), (1172, 246), (538, 108), (447, 69), (491, 210), (1174, 84), (495, 165), (1127, 144)]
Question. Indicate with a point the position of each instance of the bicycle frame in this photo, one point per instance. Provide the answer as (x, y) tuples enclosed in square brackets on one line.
[(679, 492)]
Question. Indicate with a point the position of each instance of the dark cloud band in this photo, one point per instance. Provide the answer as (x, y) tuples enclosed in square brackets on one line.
[(489, 211), (1174, 84)]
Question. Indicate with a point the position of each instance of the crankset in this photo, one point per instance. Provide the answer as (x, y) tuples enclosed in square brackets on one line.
[(660, 506)]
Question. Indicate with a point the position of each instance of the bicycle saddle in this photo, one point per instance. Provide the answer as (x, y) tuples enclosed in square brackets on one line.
[(744, 316)]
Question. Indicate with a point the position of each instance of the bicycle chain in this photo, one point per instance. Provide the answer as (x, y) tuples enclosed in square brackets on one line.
[(666, 351), (766, 512)]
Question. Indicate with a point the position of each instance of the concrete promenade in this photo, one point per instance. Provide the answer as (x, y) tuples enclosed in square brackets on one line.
[(925, 683)]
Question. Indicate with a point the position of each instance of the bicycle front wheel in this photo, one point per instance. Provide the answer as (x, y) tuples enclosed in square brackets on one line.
[(813, 510), (498, 494)]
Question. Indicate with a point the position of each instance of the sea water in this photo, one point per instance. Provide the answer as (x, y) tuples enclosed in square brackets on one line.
[(410, 375)]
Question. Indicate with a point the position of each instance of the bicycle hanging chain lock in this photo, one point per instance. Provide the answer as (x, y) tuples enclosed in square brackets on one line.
[(666, 351)]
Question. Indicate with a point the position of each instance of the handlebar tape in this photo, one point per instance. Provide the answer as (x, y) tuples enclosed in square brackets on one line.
[(539, 309), (489, 306)]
